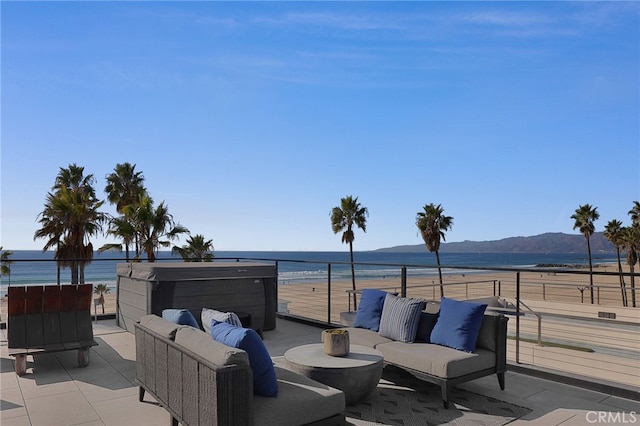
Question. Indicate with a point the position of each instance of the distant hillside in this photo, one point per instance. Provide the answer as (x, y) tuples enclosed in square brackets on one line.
[(551, 242)]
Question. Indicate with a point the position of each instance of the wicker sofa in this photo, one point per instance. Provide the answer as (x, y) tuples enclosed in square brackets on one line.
[(444, 366), (204, 382)]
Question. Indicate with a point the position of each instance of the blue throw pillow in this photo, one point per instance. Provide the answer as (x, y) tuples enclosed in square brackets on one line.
[(370, 309), (400, 317), (458, 324), (265, 382), (180, 316)]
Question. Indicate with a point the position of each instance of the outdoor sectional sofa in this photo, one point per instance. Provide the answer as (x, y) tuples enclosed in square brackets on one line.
[(435, 363), (201, 381)]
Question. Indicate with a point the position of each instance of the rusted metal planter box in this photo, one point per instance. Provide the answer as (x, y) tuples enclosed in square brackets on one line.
[(148, 288)]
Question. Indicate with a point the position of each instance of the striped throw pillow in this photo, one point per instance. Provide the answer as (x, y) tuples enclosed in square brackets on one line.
[(400, 318)]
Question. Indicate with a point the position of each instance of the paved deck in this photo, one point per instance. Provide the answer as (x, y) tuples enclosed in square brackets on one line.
[(56, 392)]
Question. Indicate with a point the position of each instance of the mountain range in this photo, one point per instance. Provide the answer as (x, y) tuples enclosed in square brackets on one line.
[(550, 242)]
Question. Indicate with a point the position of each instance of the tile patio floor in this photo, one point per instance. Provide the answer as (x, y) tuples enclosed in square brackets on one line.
[(56, 392)]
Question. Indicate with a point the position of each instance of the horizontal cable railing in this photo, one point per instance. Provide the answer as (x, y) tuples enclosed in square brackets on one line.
[(550, 308)]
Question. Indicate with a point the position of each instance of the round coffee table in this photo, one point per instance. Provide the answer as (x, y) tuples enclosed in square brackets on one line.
[(356, 374)]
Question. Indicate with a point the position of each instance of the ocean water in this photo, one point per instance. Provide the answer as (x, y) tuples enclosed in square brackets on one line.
[(36, 267)]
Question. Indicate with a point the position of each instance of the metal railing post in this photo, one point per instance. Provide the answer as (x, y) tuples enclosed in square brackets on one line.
[(329, 294), (517, 317), (539, 330)]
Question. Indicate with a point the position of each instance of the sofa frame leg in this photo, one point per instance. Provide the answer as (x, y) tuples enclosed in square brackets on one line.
[(174, 421), (445, 395), (84, 355), (140, 394), (501, 380)]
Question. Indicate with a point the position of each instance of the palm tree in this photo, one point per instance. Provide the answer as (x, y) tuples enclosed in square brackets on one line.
[(631, 241), (196, 249), (614, 233), (343, 219), (154, 226), (584, 217), (432, 224), (101, 289), (70, 217), (634, 213), (124, 188), (5, 268), (123, 228)]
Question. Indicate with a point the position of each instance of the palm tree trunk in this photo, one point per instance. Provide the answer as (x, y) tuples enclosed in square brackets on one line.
[(353, 277), (74, 273), (590, 271), (625, 302), (440, 274), (633, 287), (151, 256)]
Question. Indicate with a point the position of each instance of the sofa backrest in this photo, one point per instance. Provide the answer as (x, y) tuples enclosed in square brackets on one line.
[(487, 337), (164, 328), (216, 353), (493, 331)]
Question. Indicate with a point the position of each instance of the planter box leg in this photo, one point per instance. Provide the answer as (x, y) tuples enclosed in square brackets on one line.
[(21, 364), (83, 357)]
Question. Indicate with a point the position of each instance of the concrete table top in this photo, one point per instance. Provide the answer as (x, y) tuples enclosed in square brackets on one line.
[(356, 374)]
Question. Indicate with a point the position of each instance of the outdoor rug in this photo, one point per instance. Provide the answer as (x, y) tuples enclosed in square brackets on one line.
[(402, 399)]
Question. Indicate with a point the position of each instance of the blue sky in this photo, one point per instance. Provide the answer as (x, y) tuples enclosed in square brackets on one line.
[(252, 120)]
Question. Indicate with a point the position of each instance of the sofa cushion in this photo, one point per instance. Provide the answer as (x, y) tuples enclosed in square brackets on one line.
[(365, 337), (458, 324), (300, 401), (370, 309), (160, 326), (264, 376), (400, 316), (209, 315), (180, 316), (425, 326), (437, 360), (203, 345)]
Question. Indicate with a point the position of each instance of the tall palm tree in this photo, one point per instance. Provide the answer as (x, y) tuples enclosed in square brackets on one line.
[(197, 249), (343, 219), (154, 226), (124, 186), (432, 224), (5, 263), (631, 242), (70, 217), (614, 233), (584, 217), (73, 178)]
